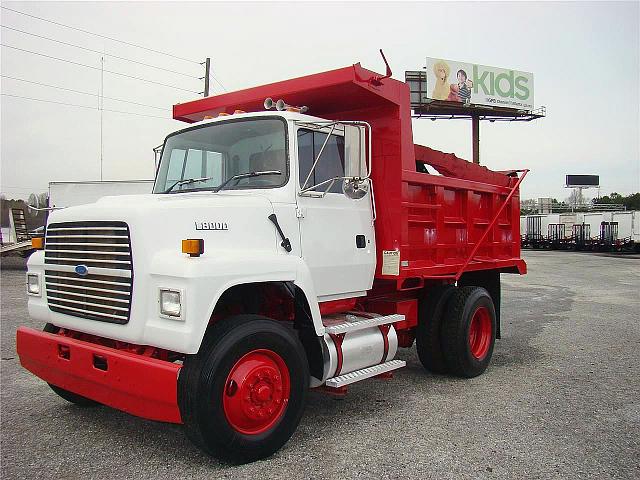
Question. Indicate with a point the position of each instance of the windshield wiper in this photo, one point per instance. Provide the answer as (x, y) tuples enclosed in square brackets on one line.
[(240, 176), (187, 181)]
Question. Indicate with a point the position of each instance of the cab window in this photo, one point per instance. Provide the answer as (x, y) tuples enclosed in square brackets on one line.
[(331, 162)]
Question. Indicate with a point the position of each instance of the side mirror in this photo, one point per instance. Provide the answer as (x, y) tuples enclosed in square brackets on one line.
[(355, 164)]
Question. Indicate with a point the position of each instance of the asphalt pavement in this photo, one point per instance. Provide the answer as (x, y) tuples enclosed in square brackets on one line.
[(561, 399)]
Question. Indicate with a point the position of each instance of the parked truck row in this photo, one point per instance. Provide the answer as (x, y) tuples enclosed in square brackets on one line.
[(279, 251)]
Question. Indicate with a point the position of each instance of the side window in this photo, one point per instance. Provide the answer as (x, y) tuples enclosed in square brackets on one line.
[(331, 163)]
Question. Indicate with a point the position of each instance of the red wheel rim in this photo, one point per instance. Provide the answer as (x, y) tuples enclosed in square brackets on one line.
[(256, 392), (480, 333)]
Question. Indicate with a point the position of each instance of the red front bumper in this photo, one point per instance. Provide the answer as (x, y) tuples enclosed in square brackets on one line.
[(136, 384)]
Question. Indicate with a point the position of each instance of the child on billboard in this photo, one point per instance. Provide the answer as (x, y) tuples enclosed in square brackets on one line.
[(462, 90)]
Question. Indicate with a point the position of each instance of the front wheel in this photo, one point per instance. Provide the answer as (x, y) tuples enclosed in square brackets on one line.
[(469, 332), (242, 395)]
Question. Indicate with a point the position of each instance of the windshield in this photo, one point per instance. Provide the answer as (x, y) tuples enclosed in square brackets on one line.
[(218, 151)]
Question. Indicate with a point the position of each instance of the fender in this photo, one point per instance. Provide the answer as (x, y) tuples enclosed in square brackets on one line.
[(203, 281)]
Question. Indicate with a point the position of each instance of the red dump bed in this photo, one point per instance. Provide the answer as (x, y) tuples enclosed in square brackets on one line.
[(434, 221)]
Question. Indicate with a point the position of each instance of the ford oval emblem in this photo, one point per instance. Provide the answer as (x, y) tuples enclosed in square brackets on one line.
[(81, 270)]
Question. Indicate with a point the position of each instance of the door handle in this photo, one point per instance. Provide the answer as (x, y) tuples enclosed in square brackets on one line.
[(361, 242)]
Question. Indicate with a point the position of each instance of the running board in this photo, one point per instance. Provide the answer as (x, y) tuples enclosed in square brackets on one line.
[(347, 378), (355, 322)]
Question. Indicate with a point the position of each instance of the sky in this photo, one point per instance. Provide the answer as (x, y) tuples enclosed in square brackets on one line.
[(585, 57)]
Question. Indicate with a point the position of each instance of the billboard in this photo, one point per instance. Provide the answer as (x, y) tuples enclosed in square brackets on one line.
[(582, 181), (478, 84)]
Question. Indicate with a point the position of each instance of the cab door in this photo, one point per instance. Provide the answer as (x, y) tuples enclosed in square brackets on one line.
[(336, 231)]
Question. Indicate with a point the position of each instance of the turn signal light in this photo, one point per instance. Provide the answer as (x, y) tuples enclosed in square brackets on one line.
[(193, 246), (37, 243)]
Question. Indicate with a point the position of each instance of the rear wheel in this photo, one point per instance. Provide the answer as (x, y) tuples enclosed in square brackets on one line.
[(469, 332), (74, 398), (428, 344), (242, 395)]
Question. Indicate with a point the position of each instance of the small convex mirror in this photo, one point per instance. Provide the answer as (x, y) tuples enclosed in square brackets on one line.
[(355, 188)]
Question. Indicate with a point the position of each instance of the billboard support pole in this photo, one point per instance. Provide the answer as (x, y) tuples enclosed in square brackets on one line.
[(475, 135)]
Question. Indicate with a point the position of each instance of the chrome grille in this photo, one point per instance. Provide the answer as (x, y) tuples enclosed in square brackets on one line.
[(104, 294)]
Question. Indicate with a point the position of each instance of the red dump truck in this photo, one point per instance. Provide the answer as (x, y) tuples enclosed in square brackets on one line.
[(281, 250)]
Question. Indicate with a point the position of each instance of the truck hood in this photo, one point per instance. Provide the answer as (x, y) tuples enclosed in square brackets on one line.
[(158, 222)]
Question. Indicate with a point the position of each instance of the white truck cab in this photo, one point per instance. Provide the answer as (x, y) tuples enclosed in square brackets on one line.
[(297, 168)]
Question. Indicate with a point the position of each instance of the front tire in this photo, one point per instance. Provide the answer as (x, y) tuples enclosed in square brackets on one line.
[(469, 332), (242, 395)]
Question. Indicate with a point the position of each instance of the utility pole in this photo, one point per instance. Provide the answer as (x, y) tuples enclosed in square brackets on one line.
[(207, 70)]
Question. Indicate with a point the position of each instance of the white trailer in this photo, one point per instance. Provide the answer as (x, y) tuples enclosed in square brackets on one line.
[(569, 220), (594, 220), (628, 225), (537, 226)]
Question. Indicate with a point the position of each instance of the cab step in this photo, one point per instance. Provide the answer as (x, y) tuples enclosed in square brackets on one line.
[(352, 322), (348, 378)]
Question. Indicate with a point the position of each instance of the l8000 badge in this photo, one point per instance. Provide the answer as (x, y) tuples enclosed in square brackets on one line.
[(211, 226)]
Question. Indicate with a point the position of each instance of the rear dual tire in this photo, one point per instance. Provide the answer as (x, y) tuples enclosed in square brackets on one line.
[(456, 331), (468, 332), (430, 312)]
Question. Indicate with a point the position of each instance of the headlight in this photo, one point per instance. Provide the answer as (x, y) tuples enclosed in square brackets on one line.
[(171, 303), (33, 284)]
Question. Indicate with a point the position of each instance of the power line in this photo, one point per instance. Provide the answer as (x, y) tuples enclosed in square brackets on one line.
[(97, 68), (83, 93), (83, 106), (217, 81), (100, 35), (101, 53)]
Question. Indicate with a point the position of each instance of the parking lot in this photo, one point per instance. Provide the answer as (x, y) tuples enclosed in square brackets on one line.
[(561, 399)]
